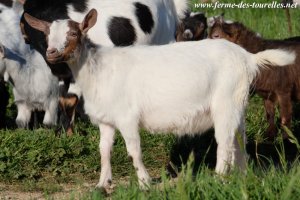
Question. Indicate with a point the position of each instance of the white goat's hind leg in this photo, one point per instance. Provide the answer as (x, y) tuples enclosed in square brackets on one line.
[(133, 145), (50, 117), (239, 154), (226, 125), (24, 114), (106, 142)]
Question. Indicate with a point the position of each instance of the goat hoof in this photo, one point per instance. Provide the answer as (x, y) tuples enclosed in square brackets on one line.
[(106, 190), (70, 132), (21, 124)]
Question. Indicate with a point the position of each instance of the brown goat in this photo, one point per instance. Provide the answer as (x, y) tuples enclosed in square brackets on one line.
[(274, 85)]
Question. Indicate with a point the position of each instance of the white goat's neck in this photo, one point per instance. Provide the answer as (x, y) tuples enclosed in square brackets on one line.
[(84, 61), (14, 63)]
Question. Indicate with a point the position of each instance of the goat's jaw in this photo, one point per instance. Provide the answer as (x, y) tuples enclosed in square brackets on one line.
[(60, 56), (57, 59)]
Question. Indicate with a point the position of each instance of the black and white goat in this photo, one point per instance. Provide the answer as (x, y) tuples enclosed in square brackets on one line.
[(192, 28), (123, 23), (179, 88), (34, 86)]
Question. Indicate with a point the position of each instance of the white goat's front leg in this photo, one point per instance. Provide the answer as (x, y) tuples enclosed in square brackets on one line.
[(131, 136), (50, 117), (24, 114), (106, 142)]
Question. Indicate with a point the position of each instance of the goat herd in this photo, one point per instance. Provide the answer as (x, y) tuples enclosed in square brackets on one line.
[(100, 51)]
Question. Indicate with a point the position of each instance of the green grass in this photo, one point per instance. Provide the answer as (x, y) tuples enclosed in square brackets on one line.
[(41, 161)]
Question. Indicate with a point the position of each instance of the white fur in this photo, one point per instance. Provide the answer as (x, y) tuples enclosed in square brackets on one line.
[(57, 40), (275, 57), (34, 85), (192, 14), (180, 88)]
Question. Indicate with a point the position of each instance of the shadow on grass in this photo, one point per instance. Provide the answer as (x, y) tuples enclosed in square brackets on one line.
[(204, 148)]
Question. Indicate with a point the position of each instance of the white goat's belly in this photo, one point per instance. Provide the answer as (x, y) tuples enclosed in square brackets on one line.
[(195, 122)]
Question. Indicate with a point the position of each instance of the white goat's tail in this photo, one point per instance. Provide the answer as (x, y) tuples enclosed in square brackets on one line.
[(274, 57), (181, 7), (270, 58)]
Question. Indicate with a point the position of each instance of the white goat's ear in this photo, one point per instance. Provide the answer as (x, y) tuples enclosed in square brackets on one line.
[(38, 24), (89, 21), (2, 51)]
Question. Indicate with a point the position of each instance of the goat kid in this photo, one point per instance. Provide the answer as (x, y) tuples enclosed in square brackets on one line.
[(34, 87), (179, 88), (275, 85), (192, 28)]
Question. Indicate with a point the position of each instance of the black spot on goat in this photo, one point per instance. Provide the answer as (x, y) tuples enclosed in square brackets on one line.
[(144, 17), (121, 32)]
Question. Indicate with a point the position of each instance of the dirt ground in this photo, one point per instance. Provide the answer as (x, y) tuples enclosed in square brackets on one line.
[(65, 192), (68, 191)]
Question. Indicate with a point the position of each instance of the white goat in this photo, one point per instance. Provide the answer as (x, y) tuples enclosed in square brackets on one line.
[(181, 88), (34, 87)]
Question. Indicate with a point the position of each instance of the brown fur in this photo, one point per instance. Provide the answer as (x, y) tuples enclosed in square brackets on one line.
[(275, 85), (73, 38), (67, 105)]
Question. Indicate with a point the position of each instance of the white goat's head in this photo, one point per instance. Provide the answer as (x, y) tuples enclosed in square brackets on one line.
[(63, 36)]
